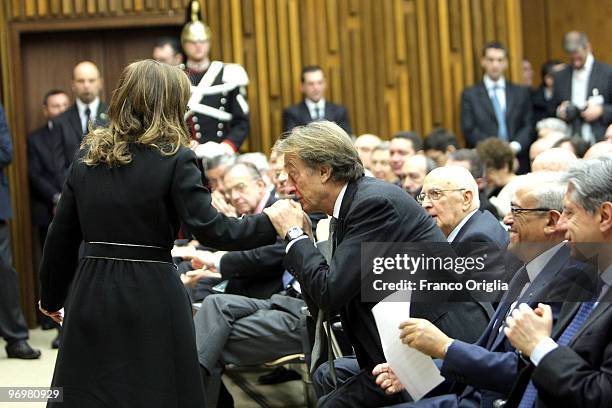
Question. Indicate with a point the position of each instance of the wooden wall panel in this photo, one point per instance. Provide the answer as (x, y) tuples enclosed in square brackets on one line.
[(546, 21), (396, 64)]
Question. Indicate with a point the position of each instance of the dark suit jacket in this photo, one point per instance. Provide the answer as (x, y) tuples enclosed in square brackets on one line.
[(298, 115), (6, 157), (576, 375), (542, 107), (478, 120), (491, 365), (45, 177), (373, 211), (600, 79), (70, 134), (256, 272)]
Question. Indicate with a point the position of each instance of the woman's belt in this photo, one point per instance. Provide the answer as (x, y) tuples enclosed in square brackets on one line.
[(127, 252)]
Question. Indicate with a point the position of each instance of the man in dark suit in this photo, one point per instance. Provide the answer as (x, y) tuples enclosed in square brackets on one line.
[(495, 107), (325, 174), (569, 364), (484, 371), (45, 179), (314, 106), (582, 91), (13, 327), (87, 111), (255, 273)]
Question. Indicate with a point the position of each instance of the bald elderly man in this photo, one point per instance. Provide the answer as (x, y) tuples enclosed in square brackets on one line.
[(70, 127), (450, 196), (555, 159)]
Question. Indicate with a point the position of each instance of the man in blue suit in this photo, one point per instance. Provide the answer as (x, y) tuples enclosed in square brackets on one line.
[(480, 373), (13, 327)]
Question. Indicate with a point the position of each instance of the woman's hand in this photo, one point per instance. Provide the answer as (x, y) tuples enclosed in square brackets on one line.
[(58, 317)]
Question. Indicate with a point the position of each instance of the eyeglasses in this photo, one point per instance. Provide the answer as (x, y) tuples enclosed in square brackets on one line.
[(239, 188), (518, 210), (436, 194)]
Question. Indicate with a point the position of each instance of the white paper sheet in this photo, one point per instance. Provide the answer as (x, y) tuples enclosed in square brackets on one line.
[(416, 371)]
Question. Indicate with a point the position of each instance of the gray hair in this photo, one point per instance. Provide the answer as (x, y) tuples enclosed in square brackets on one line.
[(258, 159), (575, 40), (430, 164), (592, 183), (250, 167), (381, 146), (549, 188), (555, 124), (323, 143), (210, 163)]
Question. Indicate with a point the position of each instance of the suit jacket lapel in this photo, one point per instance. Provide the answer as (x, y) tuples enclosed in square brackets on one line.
[(305, 112), (349, 194), (591, 84), (485, 101), (329, 111), (603, 305), (473, 219), (75, 121), (510, 97)]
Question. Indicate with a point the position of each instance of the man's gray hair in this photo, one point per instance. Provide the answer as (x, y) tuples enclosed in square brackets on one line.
[(575, 40), (555, 124), (250, 168), (210, 163), (323, 143), (591, 182), (381, 146), (549, 188), (257, 159)]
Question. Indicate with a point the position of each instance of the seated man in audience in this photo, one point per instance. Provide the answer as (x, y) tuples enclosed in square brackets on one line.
[(547, 125), (439, 144), (254, 273), (414, 171), (568, 364), (380, 162), (485, 371), (599, 149), (239, 330), (470, 159), (403, 145), (365, 144), (574, 144), (555, 159), (260, 161)]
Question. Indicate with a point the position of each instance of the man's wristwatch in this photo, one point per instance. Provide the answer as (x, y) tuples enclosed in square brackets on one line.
[(293, 233)]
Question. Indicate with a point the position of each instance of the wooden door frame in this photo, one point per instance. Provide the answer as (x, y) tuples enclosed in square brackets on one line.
[(14, 103)]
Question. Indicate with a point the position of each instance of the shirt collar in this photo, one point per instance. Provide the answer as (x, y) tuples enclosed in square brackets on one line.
[(451, 237), (93, 106), (606, 276), (312, 105), (262, 203), (489, 83), (50, 124), (338, 202), (588, 64), (535, 266)]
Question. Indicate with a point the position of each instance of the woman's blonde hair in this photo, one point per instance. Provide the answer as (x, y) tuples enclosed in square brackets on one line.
[(147, 108)]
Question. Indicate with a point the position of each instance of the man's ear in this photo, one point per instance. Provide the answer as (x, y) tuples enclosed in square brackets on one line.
[(605, 211), (551, 225), (468, 198), (325, 173)]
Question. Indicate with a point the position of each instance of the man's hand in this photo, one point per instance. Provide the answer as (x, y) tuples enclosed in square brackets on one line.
[(562, 109), (206, 259), (526, 327), (285, 214), (386, 379), (424, 336), (592, 112), (218, 201), (191, 278)]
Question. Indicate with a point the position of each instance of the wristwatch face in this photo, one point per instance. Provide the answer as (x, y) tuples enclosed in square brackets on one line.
[(294, 232)]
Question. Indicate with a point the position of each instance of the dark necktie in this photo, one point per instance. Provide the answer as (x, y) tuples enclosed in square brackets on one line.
[(500, 115), (87, 120), (531, 393), (318, 112)]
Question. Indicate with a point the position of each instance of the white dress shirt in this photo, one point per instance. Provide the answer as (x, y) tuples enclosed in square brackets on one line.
[(500, 92), (313, 106), (82, 107), (580, 87)]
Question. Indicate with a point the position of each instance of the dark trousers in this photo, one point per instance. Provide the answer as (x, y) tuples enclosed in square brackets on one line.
[(355, 387), (13, 326)]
